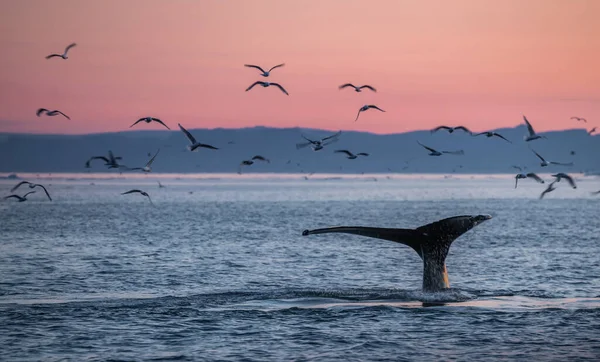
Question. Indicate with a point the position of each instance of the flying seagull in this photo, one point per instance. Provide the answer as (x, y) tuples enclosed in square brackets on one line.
[(267, 84), (492, 134), (110, 161), (260, 158), (318, 144), (51, 113), (31, 186), (267, 73), (532, 135), (561, 175), (365, 107), (350, 155), (546, 163), (592, 131), (438, 153), (251, 162), (193, 143), (529, 175), (148, 120), (550, 188), (357, 88), (139, 192), (579, 119), (148, 167), (63, 55), (20, 198), (451, 129)]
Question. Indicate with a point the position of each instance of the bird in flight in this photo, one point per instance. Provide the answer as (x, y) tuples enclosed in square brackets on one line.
[(529, 175), (545, 163), (357, 89), (492, 134), (31, 186), (579, 119), (350, 155), (592, 131), (148, 167), (267, 84), (108, 161), (550, 188), (264, 74), (434, 152), (148, 120), (194, 145), (20, 198), (143, 193), (63, 55), (451, 129), (532, 135), (560, 176), (319, 144), (51, 113), (365, 107), (251, 162)]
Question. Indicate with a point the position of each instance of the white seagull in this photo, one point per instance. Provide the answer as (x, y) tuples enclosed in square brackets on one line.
[(63, 55), (139, 192), (267, 84), (264, 74), (350, 155), (51, 113), (194, 145), (31, 186), (438, 153), (561, 175), (529, 175), (545, 163), (319, 144), (365, 107), (148, 167), (452, 129), (357, 88), (532, 135), (148, 120), (20, 198)]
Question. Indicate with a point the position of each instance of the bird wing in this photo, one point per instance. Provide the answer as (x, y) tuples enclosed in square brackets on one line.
[(576, 118), (40, 111), (152, 159), (516, 181), (499, 135), (280, 87), (11, 196), (69, 47), (561, 164), (439, 128), (570, 180), (332, 136), (344, 151), (358, 115), (529, 127), (136, 122), (362, 154), (111, 157), (132, 191), (259, 157), (53, 55), (517, 167), (253, 84), (537, 154), (583, 119), (159, 121), (302, 145), (377, 108), (106, 160), (346, 85), (205, 146), (254, 66), (18, 185), (535, 177), (459, 152), (368, 87), (46, 191), (29, 193), (429, 148), (187, 134), (67, 117), (463, 128), (277, 66)]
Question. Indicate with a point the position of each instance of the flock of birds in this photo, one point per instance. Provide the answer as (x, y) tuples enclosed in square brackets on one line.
[(112, 162)]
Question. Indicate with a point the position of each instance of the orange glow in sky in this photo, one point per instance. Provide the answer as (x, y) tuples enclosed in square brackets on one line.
[(478, 63)]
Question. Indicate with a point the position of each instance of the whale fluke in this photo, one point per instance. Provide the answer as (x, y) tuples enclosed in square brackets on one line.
[(431, 242)]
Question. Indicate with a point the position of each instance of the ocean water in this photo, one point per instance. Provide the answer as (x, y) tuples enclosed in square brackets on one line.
[(217, 269)]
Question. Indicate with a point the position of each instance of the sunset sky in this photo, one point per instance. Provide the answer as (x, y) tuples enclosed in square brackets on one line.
[(479, 63)]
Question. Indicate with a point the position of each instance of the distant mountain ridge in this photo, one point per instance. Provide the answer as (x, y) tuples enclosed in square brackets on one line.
[(388, 153)]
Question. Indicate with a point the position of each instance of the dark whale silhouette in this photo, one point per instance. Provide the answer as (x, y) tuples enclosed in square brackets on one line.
[(431, 242)]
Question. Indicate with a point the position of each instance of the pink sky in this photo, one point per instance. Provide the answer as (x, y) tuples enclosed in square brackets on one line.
[(478, 63)]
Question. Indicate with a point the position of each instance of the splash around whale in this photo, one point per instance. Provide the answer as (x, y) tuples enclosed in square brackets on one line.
[(431, 242)]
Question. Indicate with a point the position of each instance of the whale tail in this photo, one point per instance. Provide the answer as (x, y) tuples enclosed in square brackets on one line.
[(431, 242)]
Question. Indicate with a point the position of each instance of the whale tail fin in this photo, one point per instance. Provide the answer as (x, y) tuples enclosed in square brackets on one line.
[(431, 242)]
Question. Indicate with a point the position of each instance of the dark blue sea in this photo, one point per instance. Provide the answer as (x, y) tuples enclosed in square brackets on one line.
[(216, 269)]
